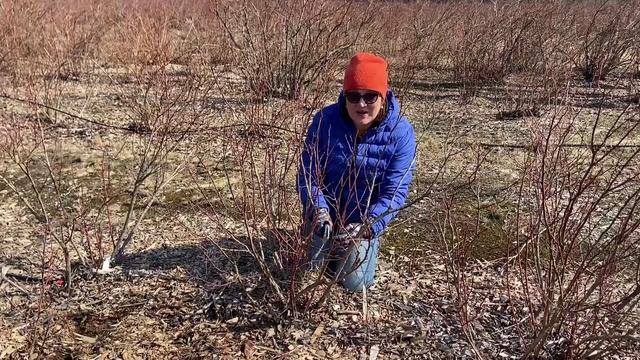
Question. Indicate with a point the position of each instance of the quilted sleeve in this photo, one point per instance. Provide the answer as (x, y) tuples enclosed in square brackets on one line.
[(395, 183)]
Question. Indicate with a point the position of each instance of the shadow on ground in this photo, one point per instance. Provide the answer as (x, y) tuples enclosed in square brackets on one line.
[(226, 275)]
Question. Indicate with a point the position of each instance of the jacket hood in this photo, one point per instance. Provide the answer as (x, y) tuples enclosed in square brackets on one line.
[(393, 108)]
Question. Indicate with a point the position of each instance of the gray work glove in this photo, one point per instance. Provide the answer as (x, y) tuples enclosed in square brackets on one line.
[(323, 224), (353, 231)]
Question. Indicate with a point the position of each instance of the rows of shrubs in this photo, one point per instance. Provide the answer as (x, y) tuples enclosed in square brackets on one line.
[(287, 47)]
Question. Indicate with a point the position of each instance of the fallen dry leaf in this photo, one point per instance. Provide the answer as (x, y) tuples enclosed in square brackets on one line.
[(86, 339), (373, 352), (317, 333)]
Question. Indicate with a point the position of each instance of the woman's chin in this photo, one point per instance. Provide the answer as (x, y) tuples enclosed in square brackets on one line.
[(362, 122)]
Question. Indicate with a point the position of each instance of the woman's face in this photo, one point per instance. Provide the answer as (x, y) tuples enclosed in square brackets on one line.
[(363, 107)]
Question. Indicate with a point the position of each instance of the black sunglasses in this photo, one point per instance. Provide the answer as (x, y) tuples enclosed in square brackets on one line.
[(354, 97)]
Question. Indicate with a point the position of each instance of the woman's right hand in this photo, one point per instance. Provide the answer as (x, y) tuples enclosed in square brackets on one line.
[(323, 223)]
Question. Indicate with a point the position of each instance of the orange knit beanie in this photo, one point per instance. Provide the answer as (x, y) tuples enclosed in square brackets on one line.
[(366, 71)]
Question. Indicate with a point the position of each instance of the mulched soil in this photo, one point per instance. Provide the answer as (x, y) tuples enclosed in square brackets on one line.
[(158, 305)]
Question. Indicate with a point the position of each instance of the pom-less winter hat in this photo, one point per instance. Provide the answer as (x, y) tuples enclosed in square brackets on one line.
[(366, 71)]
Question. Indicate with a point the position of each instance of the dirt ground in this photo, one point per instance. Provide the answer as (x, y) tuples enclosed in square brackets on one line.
[(164, 301)]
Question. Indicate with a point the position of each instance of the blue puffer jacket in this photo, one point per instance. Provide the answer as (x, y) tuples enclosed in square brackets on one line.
[(357, 180)]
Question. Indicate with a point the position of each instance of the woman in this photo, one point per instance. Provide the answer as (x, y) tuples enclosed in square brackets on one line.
[(356, 169)]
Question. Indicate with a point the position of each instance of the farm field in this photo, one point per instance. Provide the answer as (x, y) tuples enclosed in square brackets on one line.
[(148, 208)]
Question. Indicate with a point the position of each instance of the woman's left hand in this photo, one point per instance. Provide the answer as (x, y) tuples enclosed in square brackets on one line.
[(354, 231)]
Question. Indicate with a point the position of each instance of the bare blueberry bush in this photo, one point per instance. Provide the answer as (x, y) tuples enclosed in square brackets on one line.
[(577, 240), (285, 48)]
